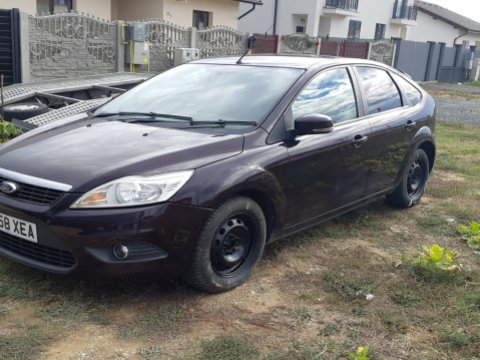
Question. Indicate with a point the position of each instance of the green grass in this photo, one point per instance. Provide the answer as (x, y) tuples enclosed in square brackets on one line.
[(228, 347), (167, 319), (473, 83), (21, 347)]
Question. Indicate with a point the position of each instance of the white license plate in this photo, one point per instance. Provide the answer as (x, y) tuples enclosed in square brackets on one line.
[(19, 228)]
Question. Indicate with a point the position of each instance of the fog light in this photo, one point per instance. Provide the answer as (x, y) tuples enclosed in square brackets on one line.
[(120, 251)]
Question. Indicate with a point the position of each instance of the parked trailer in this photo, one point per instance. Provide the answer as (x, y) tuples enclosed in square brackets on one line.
[(35, 104)]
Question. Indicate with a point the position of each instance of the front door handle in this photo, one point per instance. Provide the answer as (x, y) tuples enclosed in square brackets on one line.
[(358, 140), (410, 125)]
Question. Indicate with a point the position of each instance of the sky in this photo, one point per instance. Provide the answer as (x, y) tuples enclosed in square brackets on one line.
[(468, 8)]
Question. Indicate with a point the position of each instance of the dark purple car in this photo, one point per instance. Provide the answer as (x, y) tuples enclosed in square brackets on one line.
[(192, 172)]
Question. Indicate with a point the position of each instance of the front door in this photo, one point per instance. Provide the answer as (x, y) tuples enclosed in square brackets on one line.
[(327, 171)]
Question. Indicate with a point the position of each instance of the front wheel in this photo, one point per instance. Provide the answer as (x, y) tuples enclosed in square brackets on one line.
[(414, 182), (229, 246)]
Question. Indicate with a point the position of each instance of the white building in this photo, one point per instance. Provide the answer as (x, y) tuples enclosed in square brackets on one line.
[(361, 19)]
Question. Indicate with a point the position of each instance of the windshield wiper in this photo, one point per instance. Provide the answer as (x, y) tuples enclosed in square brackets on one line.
[(221, 123), (152, 115)]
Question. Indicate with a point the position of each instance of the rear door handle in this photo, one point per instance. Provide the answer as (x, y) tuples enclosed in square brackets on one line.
[(410, 125), (358, 140)]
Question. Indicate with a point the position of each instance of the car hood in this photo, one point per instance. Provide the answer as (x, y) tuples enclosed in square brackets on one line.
[(88, 152)]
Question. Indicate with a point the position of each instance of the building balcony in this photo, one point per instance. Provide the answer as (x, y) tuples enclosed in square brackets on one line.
[(404, 14), (341, 7)]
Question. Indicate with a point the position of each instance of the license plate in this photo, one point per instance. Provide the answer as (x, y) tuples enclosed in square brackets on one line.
[(19, 228)]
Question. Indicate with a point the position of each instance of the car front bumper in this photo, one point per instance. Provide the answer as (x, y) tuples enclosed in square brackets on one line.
[(160, 239)]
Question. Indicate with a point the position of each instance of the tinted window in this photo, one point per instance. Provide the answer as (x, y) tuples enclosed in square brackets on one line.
[(412, 94), (381, 92), (329, 93)]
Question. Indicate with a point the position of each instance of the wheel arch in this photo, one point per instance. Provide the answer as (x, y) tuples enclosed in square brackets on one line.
[(265, 203), (429, 149)]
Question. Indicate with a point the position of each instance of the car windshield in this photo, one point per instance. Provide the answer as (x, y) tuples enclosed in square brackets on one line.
[(203, 93)]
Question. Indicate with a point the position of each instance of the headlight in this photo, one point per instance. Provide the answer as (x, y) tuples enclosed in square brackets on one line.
[(134, 191)]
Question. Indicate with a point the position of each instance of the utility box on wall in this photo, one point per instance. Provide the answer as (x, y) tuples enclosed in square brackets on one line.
[(183, 55), (136, 31), (137, 49), (138, 53)]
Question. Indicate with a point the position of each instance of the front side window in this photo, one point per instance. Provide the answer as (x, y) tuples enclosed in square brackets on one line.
[(329, 93), (379, 89), (412, 94)]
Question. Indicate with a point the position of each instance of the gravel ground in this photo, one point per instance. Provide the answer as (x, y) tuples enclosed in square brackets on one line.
[(453, 109)]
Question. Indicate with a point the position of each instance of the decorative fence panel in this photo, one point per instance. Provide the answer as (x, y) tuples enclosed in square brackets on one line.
[(382, 51), (220, 41), (164, 38), (70, 44)]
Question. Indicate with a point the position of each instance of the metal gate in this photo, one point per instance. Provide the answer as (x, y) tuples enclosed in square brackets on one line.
[(266, 44), (10, 46)]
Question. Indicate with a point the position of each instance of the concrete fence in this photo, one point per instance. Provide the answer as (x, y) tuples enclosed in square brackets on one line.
[(74, 44)]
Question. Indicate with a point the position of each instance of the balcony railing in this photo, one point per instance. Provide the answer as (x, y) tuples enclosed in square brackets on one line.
[(350, 5), (401, 11)]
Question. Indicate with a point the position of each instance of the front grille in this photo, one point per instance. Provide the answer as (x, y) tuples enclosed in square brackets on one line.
[(36, 252), (35, 194)]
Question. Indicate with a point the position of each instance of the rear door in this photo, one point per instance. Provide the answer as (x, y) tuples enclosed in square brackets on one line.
[(393, 127), (326, 171)]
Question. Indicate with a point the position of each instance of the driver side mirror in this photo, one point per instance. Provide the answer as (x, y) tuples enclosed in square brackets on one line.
[(313, 124)]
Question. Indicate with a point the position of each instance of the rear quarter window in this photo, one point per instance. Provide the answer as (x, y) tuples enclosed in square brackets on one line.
[(379, 89), (412, 95)]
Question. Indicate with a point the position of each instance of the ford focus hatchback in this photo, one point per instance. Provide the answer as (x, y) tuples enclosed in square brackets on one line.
[(192, 172)]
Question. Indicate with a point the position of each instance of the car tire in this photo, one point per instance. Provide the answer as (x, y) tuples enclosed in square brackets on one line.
[(229, 246), (22, 111), (414, 182)]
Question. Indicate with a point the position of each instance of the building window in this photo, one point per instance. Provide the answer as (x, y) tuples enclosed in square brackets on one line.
[(354, 29), (379, 31), (52, 6), (300, 30), (201, 19)]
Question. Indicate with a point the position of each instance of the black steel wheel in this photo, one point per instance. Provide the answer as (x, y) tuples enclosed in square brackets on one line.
[(414, 182), (229, 247)]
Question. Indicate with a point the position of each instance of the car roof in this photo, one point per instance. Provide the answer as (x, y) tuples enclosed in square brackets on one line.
[(301, 62)]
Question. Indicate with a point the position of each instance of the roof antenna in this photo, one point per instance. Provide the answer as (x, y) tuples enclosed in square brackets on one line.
[(250, 45)]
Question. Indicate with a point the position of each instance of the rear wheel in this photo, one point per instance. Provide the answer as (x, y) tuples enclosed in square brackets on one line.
[(414, 182), (229, 246)]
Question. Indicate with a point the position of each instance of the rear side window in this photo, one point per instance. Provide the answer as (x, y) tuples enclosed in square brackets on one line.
[(329, 93), (412, 94), (380, 90)]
